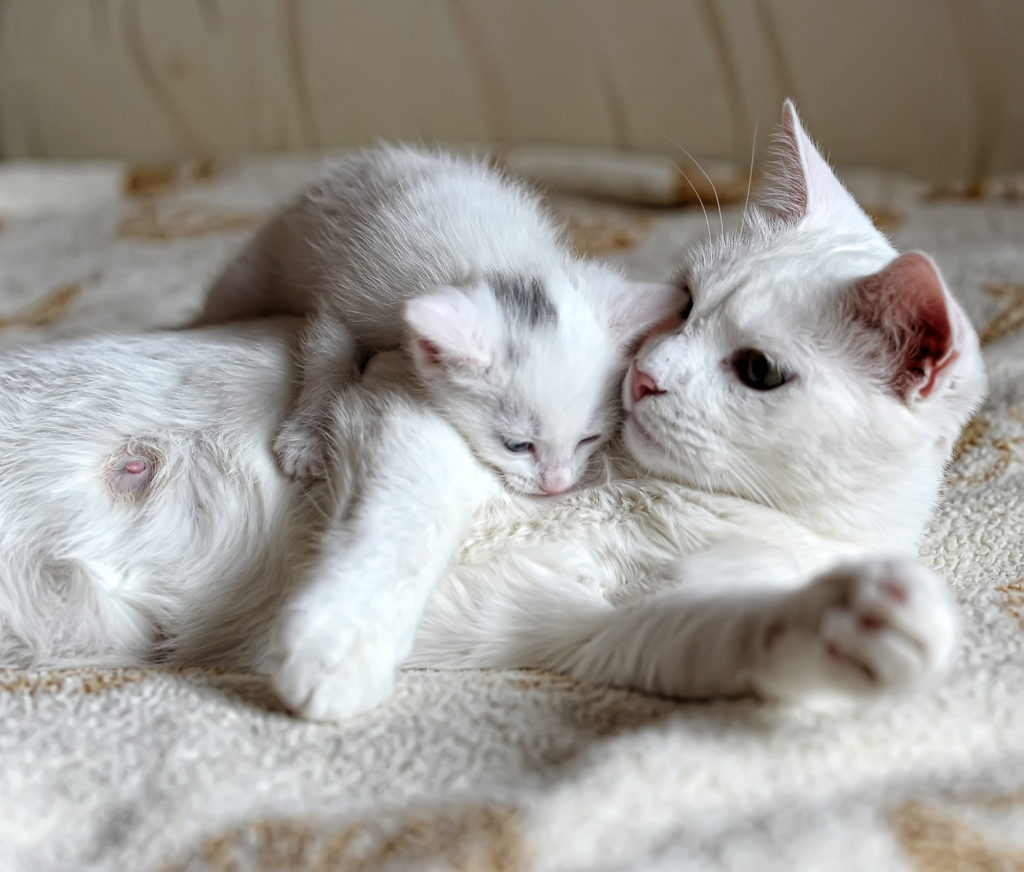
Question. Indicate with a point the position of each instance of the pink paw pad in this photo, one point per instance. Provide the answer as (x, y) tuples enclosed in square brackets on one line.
[(894, 591)]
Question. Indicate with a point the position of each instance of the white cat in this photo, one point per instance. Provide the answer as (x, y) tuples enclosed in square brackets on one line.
[(394, 241), (785, 444)]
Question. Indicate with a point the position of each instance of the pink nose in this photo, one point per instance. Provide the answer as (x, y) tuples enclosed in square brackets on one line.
[(555, 482), (643, 385)]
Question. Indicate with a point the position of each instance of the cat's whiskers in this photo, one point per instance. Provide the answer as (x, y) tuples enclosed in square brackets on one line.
[(714, 189), (693, 187), (750, 174), (312, 497)]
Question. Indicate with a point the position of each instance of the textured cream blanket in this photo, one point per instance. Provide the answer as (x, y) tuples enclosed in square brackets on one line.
[(200, 770)]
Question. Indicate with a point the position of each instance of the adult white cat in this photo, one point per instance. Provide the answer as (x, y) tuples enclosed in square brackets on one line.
[(800, 414), (394, 241)]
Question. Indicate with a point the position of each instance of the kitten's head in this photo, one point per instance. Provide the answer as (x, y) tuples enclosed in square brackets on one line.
[(528, 368), (813, 369)]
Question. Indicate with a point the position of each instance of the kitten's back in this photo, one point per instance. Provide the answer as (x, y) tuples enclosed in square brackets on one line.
[(379, 228)]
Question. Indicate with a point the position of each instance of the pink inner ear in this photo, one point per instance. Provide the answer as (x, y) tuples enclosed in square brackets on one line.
[(908, 302), (431, 353), (801, 183)]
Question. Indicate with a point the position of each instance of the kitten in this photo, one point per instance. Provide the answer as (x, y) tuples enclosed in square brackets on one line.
[(395, 241), (785, 443)]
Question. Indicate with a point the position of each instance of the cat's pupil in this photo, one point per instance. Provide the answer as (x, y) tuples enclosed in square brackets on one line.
[(516, 446), (756, 370)]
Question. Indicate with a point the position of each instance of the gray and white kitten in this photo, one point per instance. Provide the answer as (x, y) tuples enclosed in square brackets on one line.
[(518, 343)]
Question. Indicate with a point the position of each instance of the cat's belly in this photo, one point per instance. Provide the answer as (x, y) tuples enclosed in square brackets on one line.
[(135, 481)]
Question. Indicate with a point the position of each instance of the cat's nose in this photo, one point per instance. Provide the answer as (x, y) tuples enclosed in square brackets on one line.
[(555, 481), (643, 385)]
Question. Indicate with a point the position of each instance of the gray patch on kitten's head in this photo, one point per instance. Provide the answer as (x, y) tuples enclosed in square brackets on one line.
[(524, 298)]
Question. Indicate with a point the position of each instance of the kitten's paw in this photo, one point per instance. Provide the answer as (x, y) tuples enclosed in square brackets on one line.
[(325, 668), (301, 452), (873, 627)]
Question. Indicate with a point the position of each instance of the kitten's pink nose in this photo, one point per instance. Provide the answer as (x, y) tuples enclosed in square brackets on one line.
[(643, 385), (555, 481)]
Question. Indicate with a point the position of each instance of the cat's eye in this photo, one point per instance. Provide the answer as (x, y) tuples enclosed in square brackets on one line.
[(517, 447), (688, 305), (758, 371), (590, 440)]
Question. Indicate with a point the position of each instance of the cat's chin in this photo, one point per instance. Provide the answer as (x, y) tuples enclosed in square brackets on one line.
[(644, 448), (650, 454)]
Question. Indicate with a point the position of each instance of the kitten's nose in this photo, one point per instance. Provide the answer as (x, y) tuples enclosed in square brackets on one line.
[(642, 384), (555, 481)]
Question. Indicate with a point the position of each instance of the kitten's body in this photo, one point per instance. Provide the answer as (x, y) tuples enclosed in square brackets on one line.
[(392, 242), (758, 498)]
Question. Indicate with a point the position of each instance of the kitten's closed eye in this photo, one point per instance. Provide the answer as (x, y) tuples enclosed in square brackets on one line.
[(516, 446), (758, 371), (590, 440)]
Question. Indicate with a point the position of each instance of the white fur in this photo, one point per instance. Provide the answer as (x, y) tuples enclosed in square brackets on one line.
[(393, 241), (762, 543)]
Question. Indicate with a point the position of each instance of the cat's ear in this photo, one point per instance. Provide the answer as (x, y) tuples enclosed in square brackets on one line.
[(448, 332), (925, 330), (632, 309), (800, 183)]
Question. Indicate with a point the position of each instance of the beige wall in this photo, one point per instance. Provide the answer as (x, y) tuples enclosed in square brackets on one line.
[(930, 86)]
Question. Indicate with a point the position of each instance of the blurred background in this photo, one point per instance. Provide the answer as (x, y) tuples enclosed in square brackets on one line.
[(931, 87)]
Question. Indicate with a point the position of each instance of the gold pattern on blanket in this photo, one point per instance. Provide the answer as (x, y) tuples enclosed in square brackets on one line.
[(150, 221), (598, 234), (1013, 599), (477, 839), (1011, 318), (973, 435), (538, 678), (885, 218), (1002, 448), (147, 180), (47, 311), (84, 681), (937, 841)]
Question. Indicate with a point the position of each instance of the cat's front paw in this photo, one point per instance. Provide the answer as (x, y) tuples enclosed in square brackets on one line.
[(866, 628), (301, 451), (326, 668)]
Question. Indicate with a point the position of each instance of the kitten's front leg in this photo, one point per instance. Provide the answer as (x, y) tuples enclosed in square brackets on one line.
[(868, 627), (340, 640), (328, 360)]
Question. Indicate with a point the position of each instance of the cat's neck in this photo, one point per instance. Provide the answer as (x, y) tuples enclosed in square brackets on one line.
[(887, 513)]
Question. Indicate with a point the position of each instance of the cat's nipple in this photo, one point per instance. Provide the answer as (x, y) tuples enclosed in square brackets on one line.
[(642, 384), (129, 473)]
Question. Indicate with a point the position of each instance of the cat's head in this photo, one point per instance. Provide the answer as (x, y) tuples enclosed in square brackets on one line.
[(813, 369), (528, 368)]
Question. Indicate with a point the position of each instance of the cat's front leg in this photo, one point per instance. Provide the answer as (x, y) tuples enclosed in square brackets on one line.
[(328, 360), (868, 627), (352, 621)]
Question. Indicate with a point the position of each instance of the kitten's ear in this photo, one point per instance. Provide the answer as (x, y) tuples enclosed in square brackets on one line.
[(800, 183), (925, 330), (448, 332), (633, 309)]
